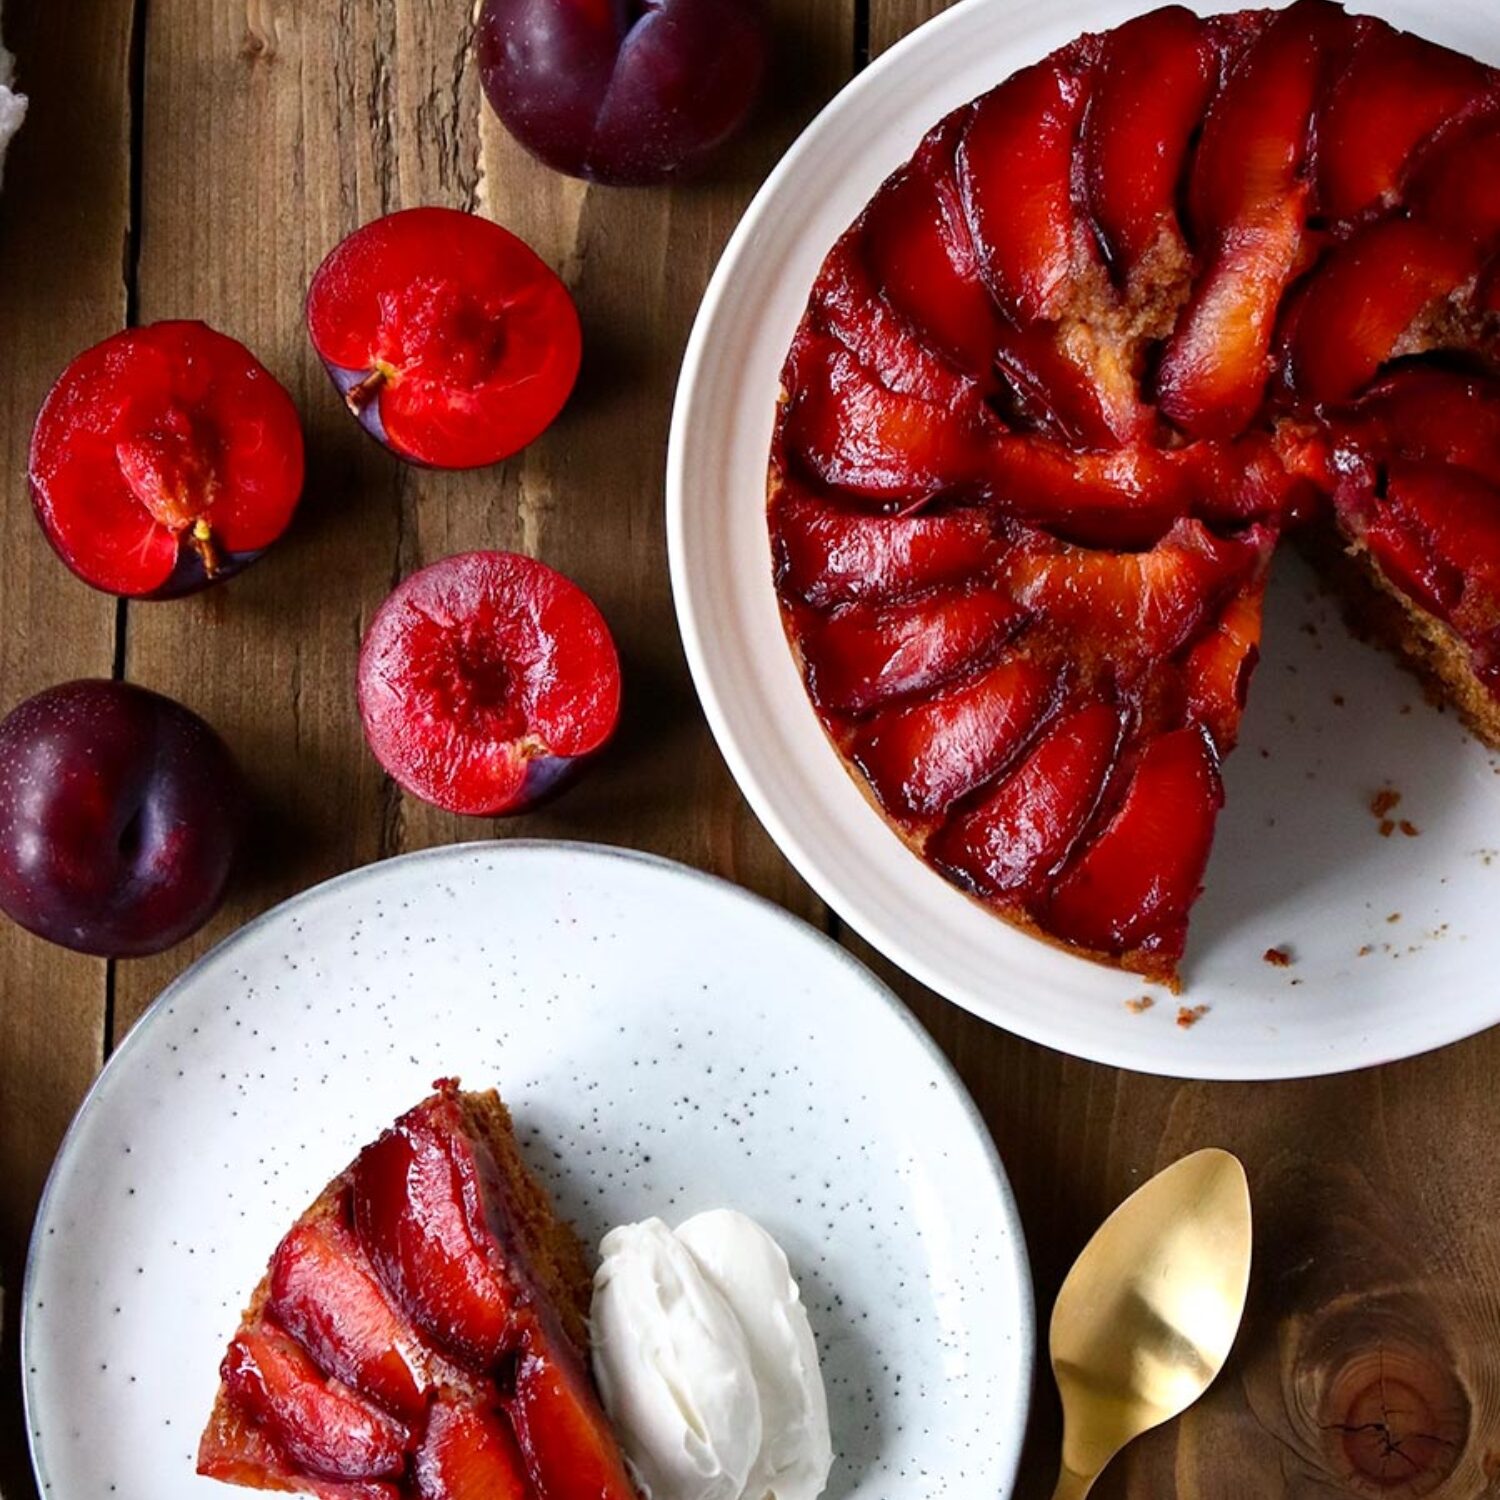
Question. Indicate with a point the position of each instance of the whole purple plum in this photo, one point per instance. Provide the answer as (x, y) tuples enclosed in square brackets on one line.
[(623, 91), (120, 816)]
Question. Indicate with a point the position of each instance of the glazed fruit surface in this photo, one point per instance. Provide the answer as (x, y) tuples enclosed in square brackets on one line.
[(1115, 329), (420, 1334)]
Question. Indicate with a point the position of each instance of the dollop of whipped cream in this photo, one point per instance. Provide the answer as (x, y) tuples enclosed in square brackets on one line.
[(12, 104), (706, 1362)]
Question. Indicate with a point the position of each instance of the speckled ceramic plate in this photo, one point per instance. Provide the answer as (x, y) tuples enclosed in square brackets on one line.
[(1393, 939), (667, 1043)]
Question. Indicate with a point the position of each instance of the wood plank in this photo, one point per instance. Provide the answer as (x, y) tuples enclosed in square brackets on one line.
[(588, 496), (64, 220), (268, 133), (1369, 1352), (331, 113)]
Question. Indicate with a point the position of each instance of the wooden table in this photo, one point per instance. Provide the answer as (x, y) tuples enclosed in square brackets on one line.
[(196, 158)]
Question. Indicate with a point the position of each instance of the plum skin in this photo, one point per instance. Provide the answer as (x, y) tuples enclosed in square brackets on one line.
[(623, 92), (121, 813)]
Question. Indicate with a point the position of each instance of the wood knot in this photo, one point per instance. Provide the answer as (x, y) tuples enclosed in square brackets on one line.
[(1395, 1420), (262, 31)]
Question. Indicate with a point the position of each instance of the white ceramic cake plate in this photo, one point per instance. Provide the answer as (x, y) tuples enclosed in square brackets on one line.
[(1393, 940)]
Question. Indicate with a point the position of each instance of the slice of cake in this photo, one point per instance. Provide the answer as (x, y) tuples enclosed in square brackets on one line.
[(421, 1332)]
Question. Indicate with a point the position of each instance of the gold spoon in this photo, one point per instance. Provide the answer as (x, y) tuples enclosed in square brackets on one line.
[(1144, 1322)]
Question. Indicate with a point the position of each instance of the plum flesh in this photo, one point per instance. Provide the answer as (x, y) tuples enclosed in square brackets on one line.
[(164, 459), (120, 815), (485, 681), (449, 338)]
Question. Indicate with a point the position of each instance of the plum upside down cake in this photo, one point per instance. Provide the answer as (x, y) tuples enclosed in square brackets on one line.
[(421, 1333), (1116, 328)]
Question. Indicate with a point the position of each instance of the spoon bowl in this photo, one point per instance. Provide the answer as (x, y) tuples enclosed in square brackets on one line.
[(1146, 1318)]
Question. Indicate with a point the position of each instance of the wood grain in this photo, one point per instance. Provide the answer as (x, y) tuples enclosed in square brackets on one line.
[(63, 231), (333, 112), (1370, 1364)]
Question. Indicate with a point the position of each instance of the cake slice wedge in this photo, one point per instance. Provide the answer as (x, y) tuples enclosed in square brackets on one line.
[(420, 1332)]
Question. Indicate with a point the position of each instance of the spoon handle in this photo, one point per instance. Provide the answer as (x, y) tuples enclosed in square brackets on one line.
[(1073, 1486)]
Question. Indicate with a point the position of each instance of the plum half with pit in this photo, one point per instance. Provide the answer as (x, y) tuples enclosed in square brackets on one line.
[(626, 92), (486, 681), (120, 815), (450, 339), (163, 459)]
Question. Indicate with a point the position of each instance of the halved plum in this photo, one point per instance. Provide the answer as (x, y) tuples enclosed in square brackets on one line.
[(1009, 843), (165, 458), (1130, 889), (862, 656), (486, 681), (469, 1453), (923, 757), (449, 338), (316, 1422), (828, 555)]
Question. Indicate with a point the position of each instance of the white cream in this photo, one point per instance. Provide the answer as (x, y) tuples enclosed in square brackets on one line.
[(673, 1368), (750, 1271), (706, 1362), (12, 104)]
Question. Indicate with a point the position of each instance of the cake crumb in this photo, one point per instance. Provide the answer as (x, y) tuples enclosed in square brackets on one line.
[(1395, 916), (1280, 957), (1409, 828), (1140, 1005), (1338, 700), (1190, 1015), (1387, 828), (1365, 950), (1383, 801)]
